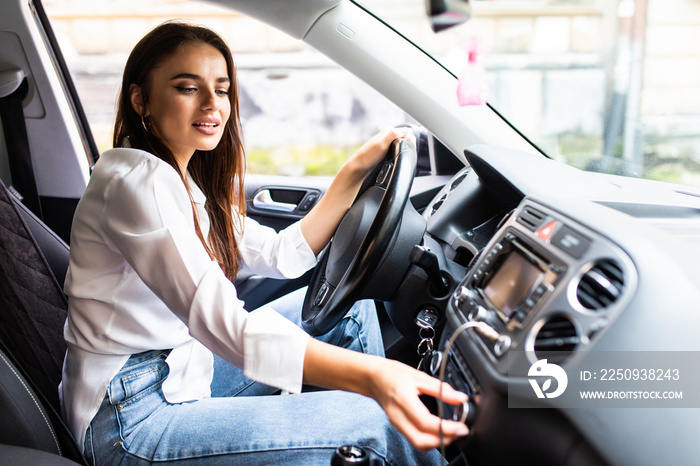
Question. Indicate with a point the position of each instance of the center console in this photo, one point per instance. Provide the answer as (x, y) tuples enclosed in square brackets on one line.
[(546, 284), (513, 278)]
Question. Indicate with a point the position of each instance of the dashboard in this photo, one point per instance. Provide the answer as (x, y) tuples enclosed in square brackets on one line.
[(567, 267), (546, 284)]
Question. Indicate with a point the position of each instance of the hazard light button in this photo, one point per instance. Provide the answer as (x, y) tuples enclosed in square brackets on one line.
[(545, 233)]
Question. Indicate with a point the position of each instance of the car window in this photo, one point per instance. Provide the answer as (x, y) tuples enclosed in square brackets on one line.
[(608, 86), (302, 114)]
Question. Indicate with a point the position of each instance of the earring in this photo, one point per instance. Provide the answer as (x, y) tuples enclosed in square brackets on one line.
[(143, 123)]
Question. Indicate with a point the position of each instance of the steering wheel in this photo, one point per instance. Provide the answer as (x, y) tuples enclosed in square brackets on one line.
[(362, 239)]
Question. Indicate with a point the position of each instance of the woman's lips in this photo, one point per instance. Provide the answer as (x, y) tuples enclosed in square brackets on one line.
[(208, 126)]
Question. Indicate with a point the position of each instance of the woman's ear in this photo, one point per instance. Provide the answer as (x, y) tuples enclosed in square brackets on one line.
[(137, 101)]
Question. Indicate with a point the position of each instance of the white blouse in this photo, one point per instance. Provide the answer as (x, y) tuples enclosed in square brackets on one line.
[(139, 279)]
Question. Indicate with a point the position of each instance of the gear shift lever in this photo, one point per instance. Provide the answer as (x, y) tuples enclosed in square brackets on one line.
[(350, 455)]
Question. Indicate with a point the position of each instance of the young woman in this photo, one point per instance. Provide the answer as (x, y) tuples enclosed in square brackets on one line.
[(156, 334)]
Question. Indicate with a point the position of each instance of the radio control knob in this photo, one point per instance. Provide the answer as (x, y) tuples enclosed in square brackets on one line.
[(502, 345), (477, 313), (465, 413), (462, 294)]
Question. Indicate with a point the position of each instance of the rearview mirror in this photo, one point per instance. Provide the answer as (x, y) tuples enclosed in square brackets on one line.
[(445, 14)]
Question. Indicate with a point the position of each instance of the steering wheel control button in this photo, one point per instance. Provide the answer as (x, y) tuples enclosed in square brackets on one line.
[(383, 174), (322, 295), (502, 345)]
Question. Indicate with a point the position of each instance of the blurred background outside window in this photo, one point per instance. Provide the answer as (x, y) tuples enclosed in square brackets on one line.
[(604, 85)]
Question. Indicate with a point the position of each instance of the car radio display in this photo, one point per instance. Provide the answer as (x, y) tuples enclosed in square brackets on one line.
[(511, 283)]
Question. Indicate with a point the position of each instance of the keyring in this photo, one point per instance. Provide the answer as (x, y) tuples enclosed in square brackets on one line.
[(431, 331), (428, 346)]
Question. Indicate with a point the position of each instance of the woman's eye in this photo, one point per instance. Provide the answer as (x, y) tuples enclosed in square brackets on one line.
[(186, 90), (222, 92)]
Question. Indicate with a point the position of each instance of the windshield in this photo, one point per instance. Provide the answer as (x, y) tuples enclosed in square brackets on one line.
[(608, 86)]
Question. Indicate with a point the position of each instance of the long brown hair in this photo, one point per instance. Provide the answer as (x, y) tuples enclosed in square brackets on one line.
[(219, 173)]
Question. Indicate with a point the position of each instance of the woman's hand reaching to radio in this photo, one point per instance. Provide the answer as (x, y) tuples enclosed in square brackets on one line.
[(394, 385)]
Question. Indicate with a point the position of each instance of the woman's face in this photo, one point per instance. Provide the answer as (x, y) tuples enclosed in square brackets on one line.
[(188, 105)]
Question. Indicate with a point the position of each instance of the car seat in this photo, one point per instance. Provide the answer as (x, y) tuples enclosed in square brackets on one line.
[(33, 310)]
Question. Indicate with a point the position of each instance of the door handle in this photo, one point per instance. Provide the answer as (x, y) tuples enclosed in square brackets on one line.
[(263, 201)]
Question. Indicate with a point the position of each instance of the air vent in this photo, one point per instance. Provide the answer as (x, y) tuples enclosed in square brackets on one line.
[(556, 339), (531, 218), (601, 286)]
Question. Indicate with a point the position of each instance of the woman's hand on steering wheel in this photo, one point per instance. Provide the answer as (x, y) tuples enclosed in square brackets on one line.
[(369, 229), (319, 225), (373, 151)]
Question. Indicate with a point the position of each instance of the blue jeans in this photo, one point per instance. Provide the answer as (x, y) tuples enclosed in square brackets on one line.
[(245, 422)]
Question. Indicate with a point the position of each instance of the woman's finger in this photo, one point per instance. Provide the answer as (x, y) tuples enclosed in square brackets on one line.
[(432, 387), (426, 433), (411, 417)]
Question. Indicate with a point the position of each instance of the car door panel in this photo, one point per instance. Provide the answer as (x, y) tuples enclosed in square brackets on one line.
[(277, 202)]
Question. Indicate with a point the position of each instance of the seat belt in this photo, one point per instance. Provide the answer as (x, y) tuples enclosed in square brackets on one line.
[(13, 88)]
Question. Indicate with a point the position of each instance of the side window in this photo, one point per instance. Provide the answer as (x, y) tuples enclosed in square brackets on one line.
[(307, 120), (302, 114)]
